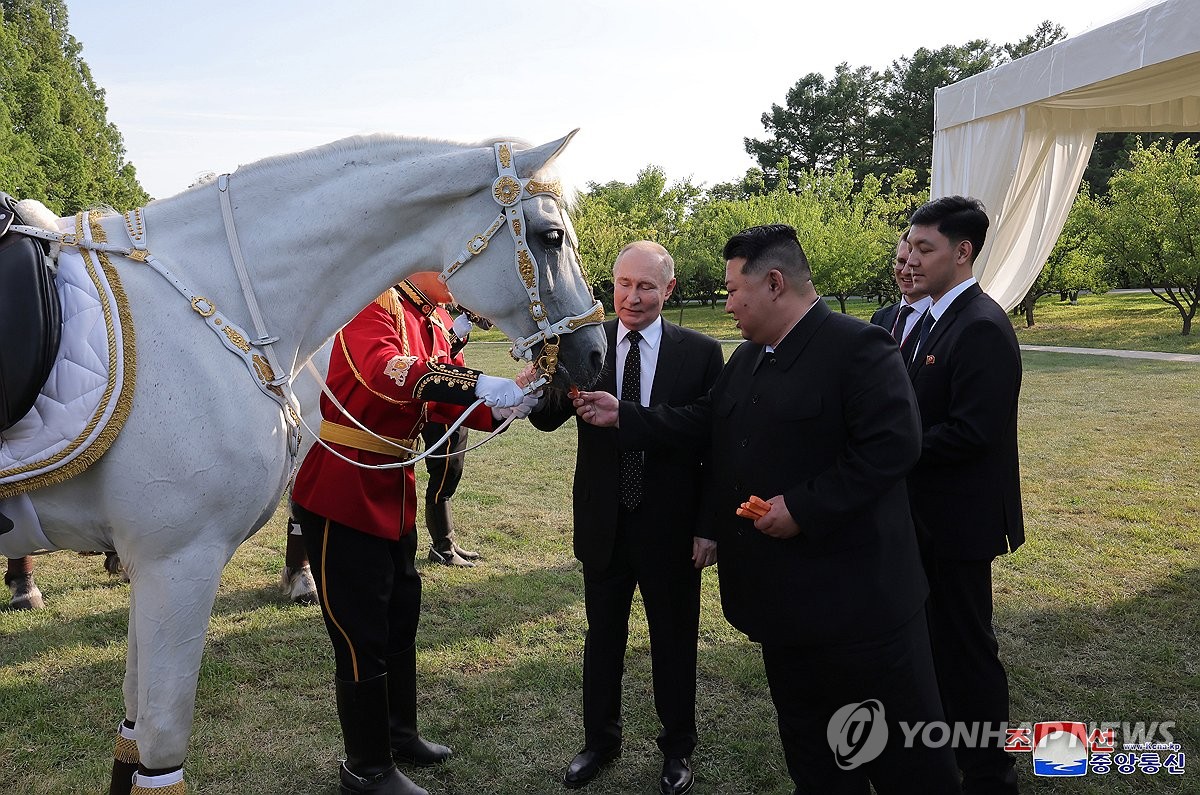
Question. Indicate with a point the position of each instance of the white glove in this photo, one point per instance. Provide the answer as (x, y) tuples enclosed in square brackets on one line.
[(461, 327), (519, 411), (498, 392)]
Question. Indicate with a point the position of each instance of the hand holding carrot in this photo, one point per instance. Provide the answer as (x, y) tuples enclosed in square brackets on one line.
[(767, 520)]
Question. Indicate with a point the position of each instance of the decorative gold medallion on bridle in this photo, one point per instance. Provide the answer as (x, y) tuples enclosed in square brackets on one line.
[(507, 190), (525, 266), (553, 188)]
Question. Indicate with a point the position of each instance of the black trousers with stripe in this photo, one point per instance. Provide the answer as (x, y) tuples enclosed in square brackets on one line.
[(444, 473), (370, 593)]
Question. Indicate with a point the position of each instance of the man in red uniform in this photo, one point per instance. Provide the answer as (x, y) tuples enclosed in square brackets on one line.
[(359, 524)]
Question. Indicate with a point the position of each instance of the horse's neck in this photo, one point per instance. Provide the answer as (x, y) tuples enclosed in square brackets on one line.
[(322, 235)]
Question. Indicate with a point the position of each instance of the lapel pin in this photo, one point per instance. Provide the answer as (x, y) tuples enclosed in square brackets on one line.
[(930, 360)]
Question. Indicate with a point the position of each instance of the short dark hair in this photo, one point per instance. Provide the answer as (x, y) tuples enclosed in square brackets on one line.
[(770, 246), (956, 217)]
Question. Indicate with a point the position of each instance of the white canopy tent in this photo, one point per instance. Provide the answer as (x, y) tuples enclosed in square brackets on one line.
[(1019, 136)]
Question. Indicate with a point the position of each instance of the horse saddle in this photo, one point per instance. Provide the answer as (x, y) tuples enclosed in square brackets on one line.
[(30, 318)]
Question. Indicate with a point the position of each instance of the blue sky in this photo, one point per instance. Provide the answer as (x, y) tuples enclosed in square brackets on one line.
[(205, 86)]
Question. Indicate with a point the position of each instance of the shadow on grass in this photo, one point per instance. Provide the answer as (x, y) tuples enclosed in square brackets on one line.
[(1138, 659)]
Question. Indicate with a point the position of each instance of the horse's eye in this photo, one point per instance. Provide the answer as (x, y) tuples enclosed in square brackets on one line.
[(552, 238)]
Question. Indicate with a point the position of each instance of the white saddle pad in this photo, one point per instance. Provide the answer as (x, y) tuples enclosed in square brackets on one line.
[(87, 397)]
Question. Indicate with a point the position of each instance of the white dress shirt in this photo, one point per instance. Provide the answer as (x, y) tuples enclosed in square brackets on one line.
[(651, 337)]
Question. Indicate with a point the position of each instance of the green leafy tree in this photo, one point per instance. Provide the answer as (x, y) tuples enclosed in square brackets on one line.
[(56, 141), (848, 231), (852, 238), (822, 122), (1074, 264), (1148, 225), (881, 123), (608, 216), (904, 123), (1046, 34)]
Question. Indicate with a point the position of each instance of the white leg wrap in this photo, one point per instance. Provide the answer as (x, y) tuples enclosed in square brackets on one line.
[(167, 784)]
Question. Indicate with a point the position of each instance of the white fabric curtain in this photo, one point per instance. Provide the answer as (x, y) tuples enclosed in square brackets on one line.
[(1025, 163)]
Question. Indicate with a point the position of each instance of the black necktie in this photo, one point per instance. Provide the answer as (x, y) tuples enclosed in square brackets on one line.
[(630, 484), (926, 324), (901, 322)]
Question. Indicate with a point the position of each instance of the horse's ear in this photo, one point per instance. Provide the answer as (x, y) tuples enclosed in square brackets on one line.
[(531, 161)]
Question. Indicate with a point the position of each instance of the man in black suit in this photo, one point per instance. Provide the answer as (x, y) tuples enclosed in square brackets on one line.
[(627, 534), (903, 317), (813, 414), (965, 490)]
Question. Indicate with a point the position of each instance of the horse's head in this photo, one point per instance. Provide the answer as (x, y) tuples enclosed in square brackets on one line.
[(535, 290)]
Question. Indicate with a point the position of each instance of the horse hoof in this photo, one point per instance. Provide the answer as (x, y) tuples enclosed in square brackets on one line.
[(25, 593), (298, 585)]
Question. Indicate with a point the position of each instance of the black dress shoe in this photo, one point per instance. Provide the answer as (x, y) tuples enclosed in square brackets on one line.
[(587, 764), (676, 776)]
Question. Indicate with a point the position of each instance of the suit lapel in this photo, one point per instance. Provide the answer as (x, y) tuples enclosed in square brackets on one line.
[(889, 318), (939, 329), (667, 368), (608, 375)]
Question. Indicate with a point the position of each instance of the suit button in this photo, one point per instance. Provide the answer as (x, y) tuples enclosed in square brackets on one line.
[(745, 442), (754, 399)]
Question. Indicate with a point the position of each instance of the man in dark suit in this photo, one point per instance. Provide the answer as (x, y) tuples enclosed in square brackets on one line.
[(814, 414), (965, 490), (627, 535), (903, 317)]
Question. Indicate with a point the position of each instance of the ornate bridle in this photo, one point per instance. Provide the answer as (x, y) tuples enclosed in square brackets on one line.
[(509, 190)]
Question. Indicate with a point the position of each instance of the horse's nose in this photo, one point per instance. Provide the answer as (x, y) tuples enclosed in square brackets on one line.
[(595, 361)]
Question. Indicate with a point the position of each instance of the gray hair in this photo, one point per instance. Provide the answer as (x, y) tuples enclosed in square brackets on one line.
[(666, 261)]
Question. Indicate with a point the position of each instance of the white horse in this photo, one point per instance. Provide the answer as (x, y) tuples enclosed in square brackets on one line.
[(204, 455)]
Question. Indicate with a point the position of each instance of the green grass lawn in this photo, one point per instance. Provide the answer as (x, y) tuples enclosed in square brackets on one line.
[(1098, 618)]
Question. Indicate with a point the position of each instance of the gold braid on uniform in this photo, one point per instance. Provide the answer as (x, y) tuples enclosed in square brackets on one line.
[(447, 383), (444, 382), (391, 304)]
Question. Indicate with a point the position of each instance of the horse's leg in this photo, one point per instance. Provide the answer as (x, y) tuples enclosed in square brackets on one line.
[(125, 755), (174, 600)]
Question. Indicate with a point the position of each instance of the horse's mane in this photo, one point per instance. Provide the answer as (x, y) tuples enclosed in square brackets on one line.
[(360, 143)]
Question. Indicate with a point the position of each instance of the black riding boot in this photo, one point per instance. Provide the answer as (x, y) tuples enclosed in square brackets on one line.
[(445, 548), (363, 712), (407, 745)]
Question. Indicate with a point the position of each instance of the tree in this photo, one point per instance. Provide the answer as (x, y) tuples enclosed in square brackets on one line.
[(608, 216), (1074, 264), (881, 123), (848, 232), (1148, 226), (904, 123), (851, 237), (1046, 34), (823, 122), (57, 144)]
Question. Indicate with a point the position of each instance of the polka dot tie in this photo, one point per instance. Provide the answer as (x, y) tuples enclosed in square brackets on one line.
[(630, 481)]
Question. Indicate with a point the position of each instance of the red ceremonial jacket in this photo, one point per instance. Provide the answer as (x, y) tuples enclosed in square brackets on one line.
[(392, 368)]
